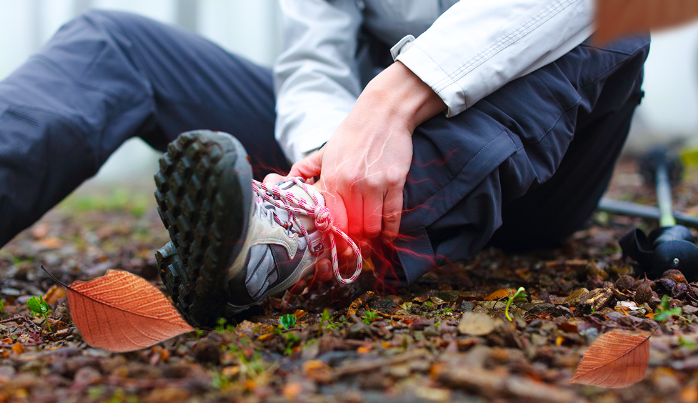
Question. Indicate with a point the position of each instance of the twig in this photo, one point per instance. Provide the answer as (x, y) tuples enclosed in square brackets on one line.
[(395, 317), (12, 319), (34, 344), (365, 366), (31, 322)]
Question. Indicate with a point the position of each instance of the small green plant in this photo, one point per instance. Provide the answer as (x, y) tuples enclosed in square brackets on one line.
[(684, 342), (369, 316), (663, 313), (220, 381), (326, 322), (40, 308), (291, 341), (94, 392), (249, 368), (2, 307), (287, 321), (222, 326), (520, 294)]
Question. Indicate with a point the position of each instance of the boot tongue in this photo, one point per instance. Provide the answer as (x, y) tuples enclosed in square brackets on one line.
[(307, 221), (299, 193)]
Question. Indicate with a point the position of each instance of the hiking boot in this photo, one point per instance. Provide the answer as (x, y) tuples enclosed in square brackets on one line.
[(234, 241)]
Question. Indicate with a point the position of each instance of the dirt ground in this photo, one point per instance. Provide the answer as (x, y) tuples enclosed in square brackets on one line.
[(407, 347)]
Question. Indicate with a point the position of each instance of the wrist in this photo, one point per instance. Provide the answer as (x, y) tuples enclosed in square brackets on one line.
[(401, 95)]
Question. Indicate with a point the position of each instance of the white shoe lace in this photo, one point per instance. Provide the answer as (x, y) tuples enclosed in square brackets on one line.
[(323, 219)]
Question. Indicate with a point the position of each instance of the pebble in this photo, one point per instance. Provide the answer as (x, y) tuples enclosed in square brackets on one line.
[(10, 292), (643, 294), (476, 324), (624, 282), (467, 306)]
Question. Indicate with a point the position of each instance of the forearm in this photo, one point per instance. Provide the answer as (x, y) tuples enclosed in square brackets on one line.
[(398, 95)]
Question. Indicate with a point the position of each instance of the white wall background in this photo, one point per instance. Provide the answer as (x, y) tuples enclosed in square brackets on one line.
[(251, 28), (669, 111)]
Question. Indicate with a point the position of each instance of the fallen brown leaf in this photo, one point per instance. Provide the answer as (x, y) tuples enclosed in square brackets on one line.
[(17, 348), (359, 302), (499, 294), (614, 360), (122, 312), (54, 293), (615, 18), (300, 313), (50, 243), (39, 230)]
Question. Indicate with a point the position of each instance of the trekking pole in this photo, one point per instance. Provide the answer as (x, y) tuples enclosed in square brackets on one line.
[(670, 246)]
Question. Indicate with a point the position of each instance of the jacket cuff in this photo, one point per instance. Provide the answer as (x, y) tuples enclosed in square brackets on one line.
[(418, 61)]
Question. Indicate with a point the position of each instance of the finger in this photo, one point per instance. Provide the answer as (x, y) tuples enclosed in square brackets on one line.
[(335, 204), (355, 215), (323, 270), (273, 179), (366, 250), (298, 287), (347, 252), (308, 167), (392, 212), (373, 214)]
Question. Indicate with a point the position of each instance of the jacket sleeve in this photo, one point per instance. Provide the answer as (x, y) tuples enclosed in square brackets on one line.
[(478, 46), (316, 77)]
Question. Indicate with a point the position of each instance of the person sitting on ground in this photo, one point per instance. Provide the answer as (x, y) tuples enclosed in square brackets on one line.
[(498, 125)]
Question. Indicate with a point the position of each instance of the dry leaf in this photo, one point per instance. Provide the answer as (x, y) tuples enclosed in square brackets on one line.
[(17, 348), (122, 312), (615, 18), (300, 313), (291, 390), (54, 293), (499, 294), (49, 243), (317, 371), (39, 230), (614, 360)]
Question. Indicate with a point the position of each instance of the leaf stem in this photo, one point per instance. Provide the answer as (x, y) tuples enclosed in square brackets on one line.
[(52, 277)]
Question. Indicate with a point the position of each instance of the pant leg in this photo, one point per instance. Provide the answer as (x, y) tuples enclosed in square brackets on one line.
[(106, 77), (548, 214), (556, 131)]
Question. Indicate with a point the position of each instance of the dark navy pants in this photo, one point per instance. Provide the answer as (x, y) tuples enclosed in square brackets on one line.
[(522, 168)]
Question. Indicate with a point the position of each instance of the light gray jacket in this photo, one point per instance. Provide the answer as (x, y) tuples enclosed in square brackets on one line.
[(464, 51)]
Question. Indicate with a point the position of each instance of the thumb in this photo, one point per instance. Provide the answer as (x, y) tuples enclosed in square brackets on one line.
[(273, 178), (309, 167)]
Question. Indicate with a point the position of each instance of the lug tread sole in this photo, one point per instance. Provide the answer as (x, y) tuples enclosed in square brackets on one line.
[(201, 220)]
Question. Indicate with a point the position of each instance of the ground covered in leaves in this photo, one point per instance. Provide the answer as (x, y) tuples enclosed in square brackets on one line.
[(447, 338)]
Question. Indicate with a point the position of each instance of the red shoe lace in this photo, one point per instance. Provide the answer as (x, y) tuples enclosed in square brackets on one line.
[(323, 220)]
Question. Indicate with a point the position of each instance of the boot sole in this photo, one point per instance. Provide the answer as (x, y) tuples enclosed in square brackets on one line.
[(204, 197)]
